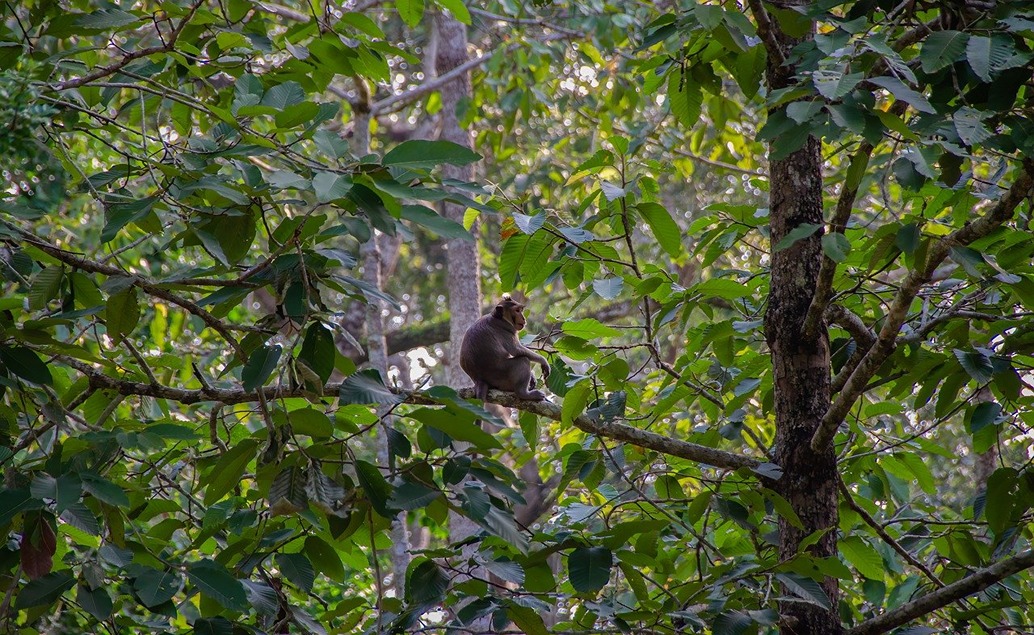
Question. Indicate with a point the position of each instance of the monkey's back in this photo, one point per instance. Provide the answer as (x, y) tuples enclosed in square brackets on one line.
[(483, 353)]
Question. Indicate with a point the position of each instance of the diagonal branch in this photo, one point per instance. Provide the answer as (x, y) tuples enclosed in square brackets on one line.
[(111, 69), (886, 341), (973, 583), (84, 263), (229, 396)]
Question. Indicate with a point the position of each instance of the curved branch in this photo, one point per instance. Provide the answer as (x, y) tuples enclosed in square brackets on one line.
[(973, 583), (886, 342), (229, 396)]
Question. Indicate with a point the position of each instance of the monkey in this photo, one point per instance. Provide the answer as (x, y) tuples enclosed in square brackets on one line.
[(493, 357)]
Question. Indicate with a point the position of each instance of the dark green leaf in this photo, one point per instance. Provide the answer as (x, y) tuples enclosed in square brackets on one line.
[(908, 238), (836, 246), (805, 588), (45, 590), (25, 363), (260, 366), (229, 470), (96, 602), (942, 48), (663, 226), (297, 569), (219, 584), (213, 626), (367, 387), (318, 350), (431, 220), (589, 568), (977, 364), (325, 558), (985, 414), (427, 582), (122, 314), (155, 587), (284, 95), (900, 91), (800, 232), (685, 99), (427, 154), (377, 489)]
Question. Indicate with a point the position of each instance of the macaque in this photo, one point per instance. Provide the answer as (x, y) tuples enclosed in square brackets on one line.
[(493, 357)]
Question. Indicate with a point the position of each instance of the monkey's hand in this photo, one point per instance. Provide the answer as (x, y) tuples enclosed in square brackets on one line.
[(545, 370)]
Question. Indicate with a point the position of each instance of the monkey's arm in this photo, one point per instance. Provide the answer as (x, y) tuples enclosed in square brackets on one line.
[(519, 350)]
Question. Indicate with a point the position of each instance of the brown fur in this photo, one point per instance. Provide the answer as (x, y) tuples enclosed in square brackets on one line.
[(493, 357)]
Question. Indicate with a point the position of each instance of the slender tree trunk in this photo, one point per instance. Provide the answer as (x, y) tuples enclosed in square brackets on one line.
[(801, 367), (377, 344)]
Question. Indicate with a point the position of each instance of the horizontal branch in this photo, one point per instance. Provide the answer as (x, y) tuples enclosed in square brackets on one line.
[(229, 396), (973, 583), (886, 341)]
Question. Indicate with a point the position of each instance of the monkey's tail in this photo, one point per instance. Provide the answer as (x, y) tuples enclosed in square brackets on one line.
[(481, 392)]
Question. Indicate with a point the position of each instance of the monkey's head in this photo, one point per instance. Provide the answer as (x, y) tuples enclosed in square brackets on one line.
[(511, 311)]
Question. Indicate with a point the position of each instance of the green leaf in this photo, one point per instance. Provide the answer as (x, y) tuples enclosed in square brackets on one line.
[(969, 123), (310, 422), (663, 226), (863, 557), (229, 470), (154, 587), (427, 583), (297, 569), (325, 558), (25, 363), (834, 85), (457, 9), (575, 401), (105, 19), (608, 288), (283, 96), (941, 49), (427, 154), (1001, 498), (588, 329), (329, 186), (432, 220), (15, 501), (216, 582), (377, 489), (213, 626), (260, 366), (685, 99), (318, 350), (907, 239), (458, 426), (589, 568), (297, 115), (987, 54), (836, 246), (900, 91), (800, 232), (44, 591), (805, 588), (96, 602), (122, 314), (783, 508), (411, 11), (45, 287), (977, 364), (722, 288), (367, 387), (985, 414)]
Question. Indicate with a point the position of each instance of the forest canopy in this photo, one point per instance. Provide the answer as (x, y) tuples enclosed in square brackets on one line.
[(778, 257)]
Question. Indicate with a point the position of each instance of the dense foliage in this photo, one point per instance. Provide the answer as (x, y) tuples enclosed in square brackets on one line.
[(187, 430)]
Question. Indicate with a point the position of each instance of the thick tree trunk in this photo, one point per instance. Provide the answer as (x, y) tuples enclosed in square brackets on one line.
[(801, 366)]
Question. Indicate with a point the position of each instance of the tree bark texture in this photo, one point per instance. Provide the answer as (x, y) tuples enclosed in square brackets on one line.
[(801, 366)]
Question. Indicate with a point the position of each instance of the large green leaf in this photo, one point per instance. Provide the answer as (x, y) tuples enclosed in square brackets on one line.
[(427, 582), (459, 426), (297, 569), (663, 226), (154, 587), (122, 314), (430, 219), (589, 568), (45, 590), (942, 48), (216, 582), (25, 363), (229, 470), (685, 99), (367, 387), (260, 366), (428, 154), (324, 558), (377, 489)]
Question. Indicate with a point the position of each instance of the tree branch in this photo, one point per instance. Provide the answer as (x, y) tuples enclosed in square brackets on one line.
[(229, 396), (886, 342), (973, 583), (396, 102), (863, 336), (767, 31), (111, 69)]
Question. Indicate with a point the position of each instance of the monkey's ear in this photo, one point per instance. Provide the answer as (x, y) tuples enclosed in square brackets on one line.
[(499, 312)]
